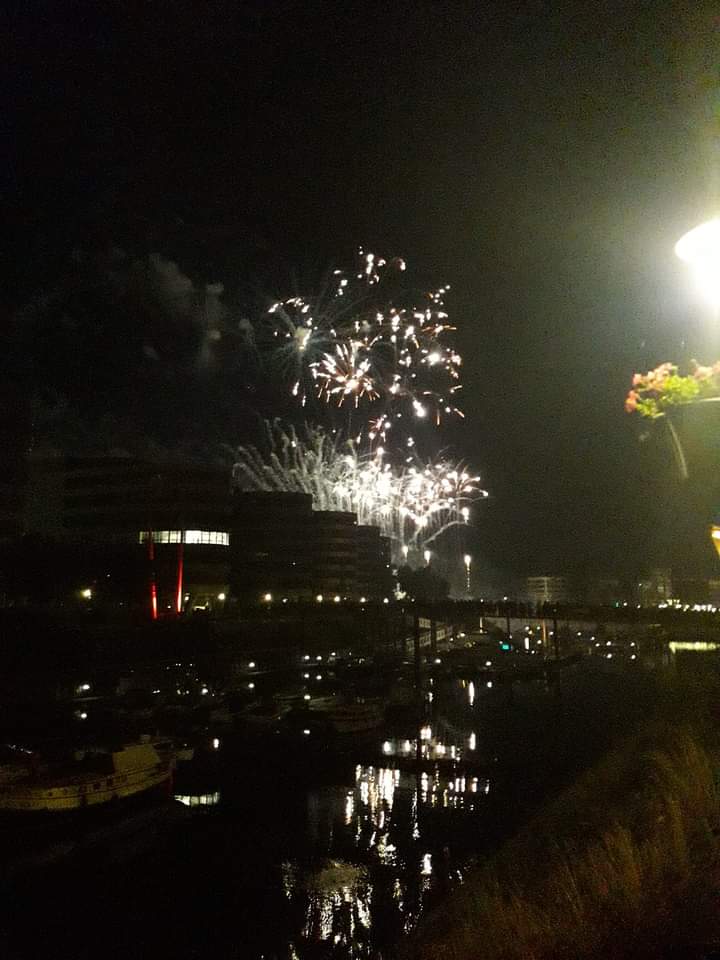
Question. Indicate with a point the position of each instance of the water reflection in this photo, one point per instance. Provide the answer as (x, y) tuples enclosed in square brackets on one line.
[(337, 898), (375, 857), (199, 799)]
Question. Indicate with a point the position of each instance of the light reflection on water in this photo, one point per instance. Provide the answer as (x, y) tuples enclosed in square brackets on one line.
[(198, 800), (369, 853)]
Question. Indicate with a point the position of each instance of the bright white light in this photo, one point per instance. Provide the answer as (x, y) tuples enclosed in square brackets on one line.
[(86, 594), (221, 596), (319, 598), (306, 732), (267, 597), (426, 555), (251, 665), (468, 559), (387, 747), (251, 686), (700, 248), (215, 743), (336, 599), (363, 599), (306, 696), (83, 715)]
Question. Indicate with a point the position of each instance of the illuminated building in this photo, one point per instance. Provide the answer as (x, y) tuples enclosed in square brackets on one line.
[(156, 527), (163, 536), (546, 589), (655, 588)]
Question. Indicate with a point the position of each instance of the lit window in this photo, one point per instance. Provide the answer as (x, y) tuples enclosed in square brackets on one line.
[(218, 537)]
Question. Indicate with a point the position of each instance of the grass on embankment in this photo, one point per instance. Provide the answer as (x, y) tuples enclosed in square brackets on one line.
[(624, 864)]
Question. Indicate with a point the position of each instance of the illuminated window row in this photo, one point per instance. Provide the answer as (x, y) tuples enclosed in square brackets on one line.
[(217, 537)]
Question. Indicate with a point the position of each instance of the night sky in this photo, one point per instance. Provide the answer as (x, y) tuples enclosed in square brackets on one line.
[(541, 158)]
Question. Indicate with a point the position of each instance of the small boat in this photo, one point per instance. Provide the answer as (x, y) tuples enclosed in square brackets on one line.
[(92, 781), (357, 717)]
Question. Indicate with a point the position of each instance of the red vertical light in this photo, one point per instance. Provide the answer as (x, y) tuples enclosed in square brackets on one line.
[(153, 587), (179, 600)]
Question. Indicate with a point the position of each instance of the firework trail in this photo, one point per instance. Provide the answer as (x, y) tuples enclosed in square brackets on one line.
[(412, 505), (367, 342)]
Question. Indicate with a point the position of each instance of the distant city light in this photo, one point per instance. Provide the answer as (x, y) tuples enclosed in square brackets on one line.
[(701, 646), (220, 596), (319, 598), (86, 593), (267, 597)]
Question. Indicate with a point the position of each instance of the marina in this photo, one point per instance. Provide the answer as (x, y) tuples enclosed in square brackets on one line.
[(301, 838)]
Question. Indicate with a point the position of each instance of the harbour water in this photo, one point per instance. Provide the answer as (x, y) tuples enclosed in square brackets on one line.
[(309, 849)]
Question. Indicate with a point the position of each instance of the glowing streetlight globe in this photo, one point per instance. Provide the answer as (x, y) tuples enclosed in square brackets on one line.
[(700, 248), (715, 536)]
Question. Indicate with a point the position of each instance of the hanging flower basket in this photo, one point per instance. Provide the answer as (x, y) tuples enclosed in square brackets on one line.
[(688, 406)]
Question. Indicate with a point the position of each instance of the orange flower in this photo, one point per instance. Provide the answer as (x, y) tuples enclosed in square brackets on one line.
[(631, 401)]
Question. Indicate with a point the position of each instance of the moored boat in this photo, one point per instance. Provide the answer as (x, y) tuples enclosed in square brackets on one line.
[(93, 781), (357, 717)]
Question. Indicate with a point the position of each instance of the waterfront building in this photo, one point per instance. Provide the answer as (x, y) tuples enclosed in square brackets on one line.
[(283, 549), (656, 588), (171, 536), (546, 589), (162, 528)]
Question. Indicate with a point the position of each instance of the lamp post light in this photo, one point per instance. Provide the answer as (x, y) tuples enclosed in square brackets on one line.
[(405, 550), (468, 560), (427, 554), (700, 248)]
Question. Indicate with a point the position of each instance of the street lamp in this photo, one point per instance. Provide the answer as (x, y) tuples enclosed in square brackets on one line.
[(427, 554), (700, 248), (468, 560)]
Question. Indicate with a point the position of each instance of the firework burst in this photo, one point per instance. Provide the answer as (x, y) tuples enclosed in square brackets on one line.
[(369, 342), (412, 505)]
